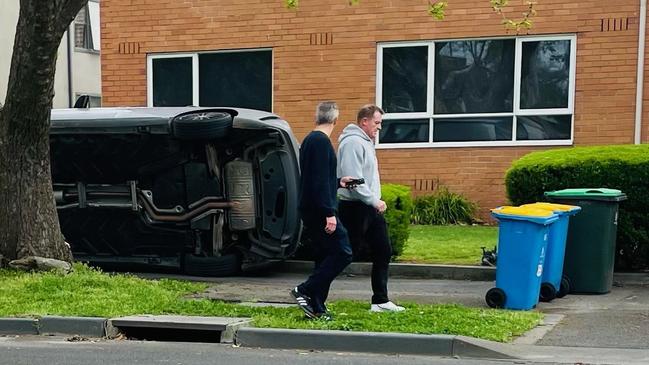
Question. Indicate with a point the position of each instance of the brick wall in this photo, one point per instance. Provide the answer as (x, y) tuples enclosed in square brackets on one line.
[(345, 69)]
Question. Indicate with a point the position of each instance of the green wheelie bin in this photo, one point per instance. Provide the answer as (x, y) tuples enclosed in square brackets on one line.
[(590, 246)]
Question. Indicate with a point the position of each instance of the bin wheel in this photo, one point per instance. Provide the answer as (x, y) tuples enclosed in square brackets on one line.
[(496, 298), (547, 293), (565, 287)]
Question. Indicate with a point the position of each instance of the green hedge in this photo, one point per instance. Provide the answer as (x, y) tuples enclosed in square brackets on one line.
[(397, 216), (399, 201), (618, 167)]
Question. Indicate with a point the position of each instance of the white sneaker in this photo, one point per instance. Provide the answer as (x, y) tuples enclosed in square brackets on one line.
[(386, 307)]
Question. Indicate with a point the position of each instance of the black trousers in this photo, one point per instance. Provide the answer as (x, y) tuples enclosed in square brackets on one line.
[(367, 229), (332, 254)]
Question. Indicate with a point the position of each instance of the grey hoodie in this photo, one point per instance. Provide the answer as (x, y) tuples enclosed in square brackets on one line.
[(357, 158)]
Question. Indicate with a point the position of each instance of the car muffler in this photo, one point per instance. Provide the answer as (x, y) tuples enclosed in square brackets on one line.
[(240, 189)]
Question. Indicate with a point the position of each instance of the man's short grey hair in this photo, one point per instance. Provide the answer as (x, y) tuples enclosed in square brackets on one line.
[(326, 113)]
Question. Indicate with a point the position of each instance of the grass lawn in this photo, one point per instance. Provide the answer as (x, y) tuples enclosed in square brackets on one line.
[(457, 245), (87, 292)]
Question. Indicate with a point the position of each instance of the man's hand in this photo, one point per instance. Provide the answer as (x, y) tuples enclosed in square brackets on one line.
[(381, 206), (344, 180), (331, 225)]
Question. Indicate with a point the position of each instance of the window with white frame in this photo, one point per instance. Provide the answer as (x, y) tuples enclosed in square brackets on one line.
[(229, 78), (86, 27), (479, 92)]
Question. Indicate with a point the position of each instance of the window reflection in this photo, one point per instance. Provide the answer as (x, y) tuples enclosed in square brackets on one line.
[(472, 129), (405, 78), (540, 127), (545, 74), (404, 131), (474, 76)]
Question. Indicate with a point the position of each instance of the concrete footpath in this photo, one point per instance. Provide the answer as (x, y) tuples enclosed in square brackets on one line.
[(597, 329)]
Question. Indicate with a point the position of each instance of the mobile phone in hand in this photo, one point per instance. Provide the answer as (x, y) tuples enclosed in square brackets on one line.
[(351, 184)]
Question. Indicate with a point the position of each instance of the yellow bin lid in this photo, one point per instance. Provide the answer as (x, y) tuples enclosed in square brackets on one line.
[(524, 211), (552, 207)]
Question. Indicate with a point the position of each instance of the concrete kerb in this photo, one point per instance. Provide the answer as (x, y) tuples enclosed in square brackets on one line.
[(82, 326), (322, 340), (399, 270), (371, 342), (441, 272), (18, 326), (532, 336), (54, 325)]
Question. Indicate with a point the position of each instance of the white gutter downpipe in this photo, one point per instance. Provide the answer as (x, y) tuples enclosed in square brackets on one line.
[(640, 73)]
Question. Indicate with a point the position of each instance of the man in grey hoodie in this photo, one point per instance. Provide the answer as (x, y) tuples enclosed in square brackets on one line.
[(361, 209)]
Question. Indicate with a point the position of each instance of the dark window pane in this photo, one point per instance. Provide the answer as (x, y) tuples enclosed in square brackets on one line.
[(172, 81), (474, 76), (472, 129), (545, 74), (82, 31), (543, 127), (239, 79), (405, 73), (404, 131)]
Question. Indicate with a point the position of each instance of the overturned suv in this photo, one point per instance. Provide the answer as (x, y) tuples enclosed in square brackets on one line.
[(210, 191)]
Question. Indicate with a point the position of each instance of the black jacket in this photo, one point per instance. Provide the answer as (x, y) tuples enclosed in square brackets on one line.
[(319, 184)]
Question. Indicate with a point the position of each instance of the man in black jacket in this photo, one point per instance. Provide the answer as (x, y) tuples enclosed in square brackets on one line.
[(318, 207)]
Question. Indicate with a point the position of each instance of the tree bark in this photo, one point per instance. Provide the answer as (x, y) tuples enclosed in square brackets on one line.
[(29, 223)]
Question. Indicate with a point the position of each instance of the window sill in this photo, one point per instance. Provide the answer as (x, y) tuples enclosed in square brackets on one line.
[(388, 146), (86, 50)]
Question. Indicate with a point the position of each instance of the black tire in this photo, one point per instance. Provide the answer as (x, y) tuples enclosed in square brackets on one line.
[(225, 265), (548, 292), (564, 289), (496, 298), (202, 125)]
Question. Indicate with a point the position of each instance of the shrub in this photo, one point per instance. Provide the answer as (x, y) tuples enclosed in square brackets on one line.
[(399, 201), (618, 167), (443, 207)]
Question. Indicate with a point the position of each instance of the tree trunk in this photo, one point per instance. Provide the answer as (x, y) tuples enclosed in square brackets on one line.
[(29, 224)]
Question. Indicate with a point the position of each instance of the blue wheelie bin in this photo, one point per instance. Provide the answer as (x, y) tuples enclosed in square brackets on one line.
[(522, 242), (553, 284)]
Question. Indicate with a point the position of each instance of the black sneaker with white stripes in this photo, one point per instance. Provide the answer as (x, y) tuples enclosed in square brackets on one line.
[(304, 302), (324, 316)]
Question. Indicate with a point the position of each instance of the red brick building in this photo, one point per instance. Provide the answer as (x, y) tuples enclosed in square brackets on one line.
[(463, 97)]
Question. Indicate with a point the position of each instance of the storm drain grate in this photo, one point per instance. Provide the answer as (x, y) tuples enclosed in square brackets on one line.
[(179, 328), (171, 334)]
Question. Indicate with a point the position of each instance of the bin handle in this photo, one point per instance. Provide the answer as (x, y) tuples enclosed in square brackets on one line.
[(595, 191)]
